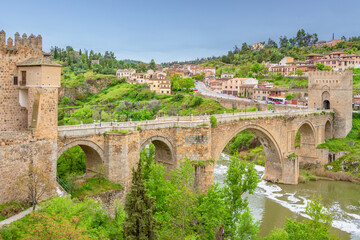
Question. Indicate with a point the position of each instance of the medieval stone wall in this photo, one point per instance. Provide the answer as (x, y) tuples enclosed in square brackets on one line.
[(17, 151), (13, 117)]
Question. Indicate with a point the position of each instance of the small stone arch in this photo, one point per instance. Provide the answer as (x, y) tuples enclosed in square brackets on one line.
[(307, 150), (328, 134), (325, 99), (93, 152), (273, 158), (164, 151)]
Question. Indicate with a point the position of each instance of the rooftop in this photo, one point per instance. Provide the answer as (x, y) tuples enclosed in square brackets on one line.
[(38, 61)]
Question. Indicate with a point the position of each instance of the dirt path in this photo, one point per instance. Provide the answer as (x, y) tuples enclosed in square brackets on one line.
[(15, 217)]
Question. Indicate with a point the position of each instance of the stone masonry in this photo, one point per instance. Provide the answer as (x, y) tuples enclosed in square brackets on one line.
[(29, 132)]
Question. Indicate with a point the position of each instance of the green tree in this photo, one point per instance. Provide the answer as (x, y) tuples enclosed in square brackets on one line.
[(139, 222), (241, 178), (152, 65), (289, 96)]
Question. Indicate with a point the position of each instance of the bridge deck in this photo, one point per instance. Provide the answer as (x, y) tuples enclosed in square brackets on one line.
[(170, 122)]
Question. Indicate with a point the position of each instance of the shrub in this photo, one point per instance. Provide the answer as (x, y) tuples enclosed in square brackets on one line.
[(178, 97), (196, 101), (138, 128), (124, 131), (213, 121)]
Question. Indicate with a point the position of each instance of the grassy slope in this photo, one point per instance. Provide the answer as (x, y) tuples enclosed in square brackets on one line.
[(133, 101), (91, 186), (341, 144)]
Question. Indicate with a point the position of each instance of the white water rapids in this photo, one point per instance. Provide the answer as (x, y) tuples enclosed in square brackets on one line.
[(272, 203)]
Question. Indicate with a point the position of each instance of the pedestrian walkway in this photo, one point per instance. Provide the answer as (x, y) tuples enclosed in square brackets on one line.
[(15, 217)]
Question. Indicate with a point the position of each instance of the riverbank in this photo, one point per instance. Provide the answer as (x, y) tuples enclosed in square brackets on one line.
[(322, 174)]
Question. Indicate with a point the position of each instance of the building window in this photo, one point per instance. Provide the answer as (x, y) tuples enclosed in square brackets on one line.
[(23, 78), (15, 80)]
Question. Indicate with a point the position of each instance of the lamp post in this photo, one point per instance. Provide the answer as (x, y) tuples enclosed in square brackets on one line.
[(100, 116)]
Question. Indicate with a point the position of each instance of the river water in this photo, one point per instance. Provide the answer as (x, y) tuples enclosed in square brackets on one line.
[(272, 203)]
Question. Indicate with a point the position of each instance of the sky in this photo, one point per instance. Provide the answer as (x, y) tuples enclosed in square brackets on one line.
[(175, 30)]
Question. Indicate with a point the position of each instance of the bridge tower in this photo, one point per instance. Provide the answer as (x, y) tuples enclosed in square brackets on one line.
[(333, 90), (29, 83)]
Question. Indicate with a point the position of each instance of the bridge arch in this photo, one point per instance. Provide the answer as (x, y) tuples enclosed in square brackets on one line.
[(164, 151), (93, 152), (328, 130), (273, 157), (305, 143)]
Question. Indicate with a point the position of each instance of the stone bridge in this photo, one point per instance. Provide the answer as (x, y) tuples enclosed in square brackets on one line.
[(118, 145)]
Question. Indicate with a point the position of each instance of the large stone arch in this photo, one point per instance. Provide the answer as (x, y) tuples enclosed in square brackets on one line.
[(93, 152), (164, 151), (273, 158), (307, 151), (328, 130)]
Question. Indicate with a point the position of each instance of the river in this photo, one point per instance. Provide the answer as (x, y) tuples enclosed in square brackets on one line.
[(272, 203)]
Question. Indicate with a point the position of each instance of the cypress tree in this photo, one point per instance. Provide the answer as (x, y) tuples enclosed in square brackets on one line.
[(139, 223)]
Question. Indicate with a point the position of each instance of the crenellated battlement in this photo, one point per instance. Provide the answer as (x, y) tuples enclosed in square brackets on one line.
[(13, 45), (329, 73), (337, 79)]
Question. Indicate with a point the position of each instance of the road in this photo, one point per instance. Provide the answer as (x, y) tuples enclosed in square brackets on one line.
[(205, 91)]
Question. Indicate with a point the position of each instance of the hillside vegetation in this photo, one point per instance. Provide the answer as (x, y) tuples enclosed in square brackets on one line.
[(87, 94)]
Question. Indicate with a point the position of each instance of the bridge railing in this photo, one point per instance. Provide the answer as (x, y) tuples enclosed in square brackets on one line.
[(263, 114), (176, 122)]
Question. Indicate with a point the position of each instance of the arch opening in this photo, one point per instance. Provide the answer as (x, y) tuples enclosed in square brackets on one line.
[(325, 100), (326, 104), (158, 150), (328, 130), (255, 144), (78, 160), (305, 145)]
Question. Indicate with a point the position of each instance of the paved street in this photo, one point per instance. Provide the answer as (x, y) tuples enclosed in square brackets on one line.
[(205, 91)]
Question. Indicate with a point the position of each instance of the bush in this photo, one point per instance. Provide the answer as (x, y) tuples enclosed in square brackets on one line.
[(196, 101), (213, 121), (65, 100), (124, 131), (270, 107), (177, 98)]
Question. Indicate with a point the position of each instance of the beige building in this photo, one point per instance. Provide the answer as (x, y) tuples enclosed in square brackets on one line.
[(126, 73), (140, 78), (160, 84), (227, 75), (331, 43), (232, 86), (340, 60), (216, 85)]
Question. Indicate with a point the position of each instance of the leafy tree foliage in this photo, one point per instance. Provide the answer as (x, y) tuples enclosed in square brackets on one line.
[(180, 84), (183, 212)]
